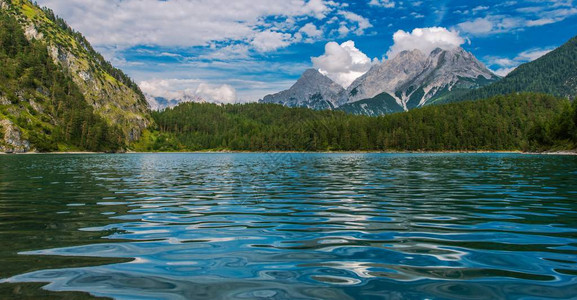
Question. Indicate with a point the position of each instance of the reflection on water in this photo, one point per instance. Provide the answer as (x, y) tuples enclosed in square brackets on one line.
[(291, 226)]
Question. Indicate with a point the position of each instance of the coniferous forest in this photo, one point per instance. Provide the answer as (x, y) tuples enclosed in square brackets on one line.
[(512, 122), (43, 101)]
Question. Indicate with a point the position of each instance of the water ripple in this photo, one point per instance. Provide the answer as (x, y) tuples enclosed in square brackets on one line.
[(293, 226)]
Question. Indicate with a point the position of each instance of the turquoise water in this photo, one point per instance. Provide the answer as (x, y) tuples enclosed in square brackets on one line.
[(290, 226)]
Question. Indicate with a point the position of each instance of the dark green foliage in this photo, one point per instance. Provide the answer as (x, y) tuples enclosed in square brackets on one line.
[(382, 104), (554, 74), (556, 133), (45, 103), (415, 98), (499, 123)]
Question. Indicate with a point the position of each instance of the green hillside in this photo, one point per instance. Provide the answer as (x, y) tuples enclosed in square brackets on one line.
[(56, 92)]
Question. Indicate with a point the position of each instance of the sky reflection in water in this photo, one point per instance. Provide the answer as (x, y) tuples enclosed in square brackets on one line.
[(292, 226)]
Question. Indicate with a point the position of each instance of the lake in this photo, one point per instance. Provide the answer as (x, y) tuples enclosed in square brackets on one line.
[(289, 226)]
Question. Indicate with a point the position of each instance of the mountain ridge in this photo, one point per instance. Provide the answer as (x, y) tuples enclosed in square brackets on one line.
[(412, 78)]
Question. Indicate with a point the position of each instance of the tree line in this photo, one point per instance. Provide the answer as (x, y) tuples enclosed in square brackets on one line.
[(511, 122)]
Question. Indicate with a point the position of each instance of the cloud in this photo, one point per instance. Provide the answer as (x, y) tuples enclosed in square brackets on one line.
[(538, 13), (217, 93), (384, 3), (504, 66), (308, 33), (477, 26), (270, 40), (480, 8), (168, 88), (317, 7), (357, 23), (342, 63), (494, 24), (189, 88), (186, 23), (228, 52), (424, 39), (531, 55)]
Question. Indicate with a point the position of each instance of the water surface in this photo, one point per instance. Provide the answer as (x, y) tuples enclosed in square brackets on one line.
[(290, 226)]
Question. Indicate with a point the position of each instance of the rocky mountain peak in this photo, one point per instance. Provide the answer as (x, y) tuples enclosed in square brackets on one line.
[(313, 90), (414, 79), (411, 78)]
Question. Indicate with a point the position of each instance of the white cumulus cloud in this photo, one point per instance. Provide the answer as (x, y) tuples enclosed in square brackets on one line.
[(342, 63), (425, 39), (309, 33), (271, 40), (217, 93)]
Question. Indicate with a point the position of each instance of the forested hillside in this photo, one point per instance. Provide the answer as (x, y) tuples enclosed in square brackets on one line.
[(553, 74), (499, 123), (56, 92), (40, 107)]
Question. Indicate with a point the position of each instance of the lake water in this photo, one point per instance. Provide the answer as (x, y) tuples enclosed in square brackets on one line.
[(289, 226)]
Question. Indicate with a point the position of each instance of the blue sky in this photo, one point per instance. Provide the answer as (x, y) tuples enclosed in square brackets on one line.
[(241, 50)]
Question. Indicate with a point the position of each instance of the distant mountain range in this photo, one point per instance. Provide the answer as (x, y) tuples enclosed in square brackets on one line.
[(414, 79), (160, 103), (409, 80)]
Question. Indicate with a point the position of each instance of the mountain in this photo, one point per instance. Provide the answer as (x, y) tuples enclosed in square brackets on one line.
[(414, 79), (57, 92), (554, 73), (160, 103), (313, 90), (409, 80)]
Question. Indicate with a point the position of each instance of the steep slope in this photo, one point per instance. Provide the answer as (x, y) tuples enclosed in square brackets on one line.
[(415, 79), (313, 90), (61, 62), (555, 73)]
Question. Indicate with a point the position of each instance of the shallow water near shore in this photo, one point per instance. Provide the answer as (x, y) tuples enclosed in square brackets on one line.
[(291, 225)]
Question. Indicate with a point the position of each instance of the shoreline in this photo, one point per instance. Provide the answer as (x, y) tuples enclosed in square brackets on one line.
[(563, 153)]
